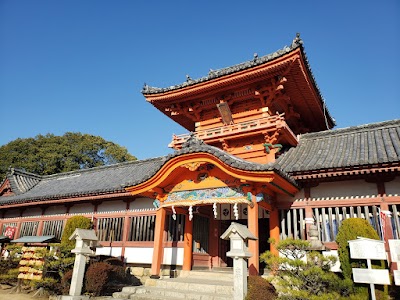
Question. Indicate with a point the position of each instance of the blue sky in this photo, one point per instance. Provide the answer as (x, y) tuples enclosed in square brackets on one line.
[(79, 66)]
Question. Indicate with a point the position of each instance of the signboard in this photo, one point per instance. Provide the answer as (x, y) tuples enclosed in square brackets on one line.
[(396, 275), (394, 246), (373, 276), (364, 248), (10, 231)]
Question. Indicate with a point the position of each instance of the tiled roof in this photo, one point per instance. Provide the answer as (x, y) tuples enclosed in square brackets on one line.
[(358, 146), (101, 180), (256, 61), (21, 181), (115, 178), (371, 144)]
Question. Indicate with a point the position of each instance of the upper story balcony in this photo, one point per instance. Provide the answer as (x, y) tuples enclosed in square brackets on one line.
[(264, 125)]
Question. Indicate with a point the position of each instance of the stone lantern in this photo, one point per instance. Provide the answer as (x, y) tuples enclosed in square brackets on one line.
[(86, 241), (239, 235)]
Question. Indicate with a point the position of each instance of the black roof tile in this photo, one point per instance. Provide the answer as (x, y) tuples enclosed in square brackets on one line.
[(356, 146)]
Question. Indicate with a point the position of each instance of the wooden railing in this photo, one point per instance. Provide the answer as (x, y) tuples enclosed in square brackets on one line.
[(230, 130)]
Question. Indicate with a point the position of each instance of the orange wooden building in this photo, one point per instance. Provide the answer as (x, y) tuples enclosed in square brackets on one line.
[(260, 151)]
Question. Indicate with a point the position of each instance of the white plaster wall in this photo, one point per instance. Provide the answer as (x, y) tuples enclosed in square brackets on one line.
[(107, 206), (343, 189), (111, 251), (286, 198), (173, 256), (81, 208), (393, 187), (32, 211), (12, 213), (142, 203), (55, 210), (138, 255)]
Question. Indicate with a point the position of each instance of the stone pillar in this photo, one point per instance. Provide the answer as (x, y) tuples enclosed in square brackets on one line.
[(85, 240), (239, 235), (77, 275), (254, 263), (239, 278), (274, 231), (188, 245), (158, 243)]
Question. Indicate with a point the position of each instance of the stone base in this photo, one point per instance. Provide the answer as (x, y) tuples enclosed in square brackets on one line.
[(81, 297)]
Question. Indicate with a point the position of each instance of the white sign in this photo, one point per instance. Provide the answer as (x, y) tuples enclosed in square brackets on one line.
[(394, 246), (396, 275), (373, 276), (364, 248)]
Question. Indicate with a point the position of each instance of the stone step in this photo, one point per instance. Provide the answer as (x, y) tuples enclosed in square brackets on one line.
[(220, 275), (162, 293), (126, 292), (188, 284)]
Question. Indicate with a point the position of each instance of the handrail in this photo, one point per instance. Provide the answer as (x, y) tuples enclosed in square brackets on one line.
[(228, 129)]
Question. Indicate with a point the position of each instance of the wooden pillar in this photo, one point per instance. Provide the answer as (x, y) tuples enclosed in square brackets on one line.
[(213, 245), (254, 263), (39, 231), (158, 243), (188, 245), (125, 230), (274, 229)]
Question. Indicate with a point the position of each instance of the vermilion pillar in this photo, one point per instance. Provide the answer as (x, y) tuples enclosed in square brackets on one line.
[(274, 229), (158, 243), (39, 231), (188, 245), (254, 263)]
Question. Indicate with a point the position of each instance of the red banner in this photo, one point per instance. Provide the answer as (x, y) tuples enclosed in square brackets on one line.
[(10, 231)]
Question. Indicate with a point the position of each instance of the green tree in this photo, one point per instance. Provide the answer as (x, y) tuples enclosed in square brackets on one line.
[(50, 154), (302, 274)]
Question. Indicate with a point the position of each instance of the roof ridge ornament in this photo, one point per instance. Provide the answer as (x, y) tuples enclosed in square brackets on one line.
[(192, 141), (297, 41)]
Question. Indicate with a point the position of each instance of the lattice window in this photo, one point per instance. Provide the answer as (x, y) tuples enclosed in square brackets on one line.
[(176, 228), (110, 229), (53, 227), (328, 220), (142, 228), (292, 223), (29, 228), (200, 234)]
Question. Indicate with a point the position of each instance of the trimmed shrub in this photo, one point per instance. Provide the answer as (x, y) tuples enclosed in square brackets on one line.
[(349, 230), (70, 226), (260, 288), (66, 282), (114, 261), (97, 276)]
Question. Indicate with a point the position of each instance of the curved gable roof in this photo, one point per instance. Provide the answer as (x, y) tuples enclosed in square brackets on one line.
[(114, 179)]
